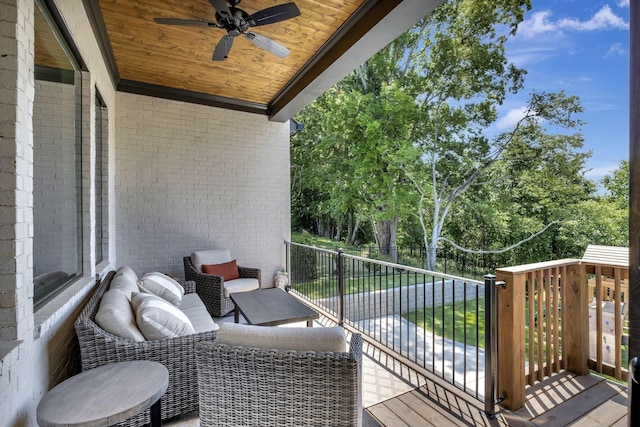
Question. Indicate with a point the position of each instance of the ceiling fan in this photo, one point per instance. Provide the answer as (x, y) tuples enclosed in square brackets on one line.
[(236, 22)]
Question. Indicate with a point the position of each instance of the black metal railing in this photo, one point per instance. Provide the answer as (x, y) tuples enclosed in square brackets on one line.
[(432, 321)]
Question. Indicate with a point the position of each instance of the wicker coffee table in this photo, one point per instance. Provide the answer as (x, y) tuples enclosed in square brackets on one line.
[(271, 307)]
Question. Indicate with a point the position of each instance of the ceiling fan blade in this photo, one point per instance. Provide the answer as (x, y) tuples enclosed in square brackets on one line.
[(223, 48), (183, 22), (274, 14), (267, 44), (221, 7)]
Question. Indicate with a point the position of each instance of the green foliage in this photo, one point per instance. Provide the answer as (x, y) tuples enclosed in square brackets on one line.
[(405, 137), (617, 185)]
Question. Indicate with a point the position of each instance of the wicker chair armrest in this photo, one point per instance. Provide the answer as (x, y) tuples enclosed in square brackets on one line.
[(355, 347), (189, 286), (252, 273)]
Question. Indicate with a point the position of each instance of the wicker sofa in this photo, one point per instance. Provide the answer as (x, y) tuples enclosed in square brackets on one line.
[(98, 347), (262, 383)]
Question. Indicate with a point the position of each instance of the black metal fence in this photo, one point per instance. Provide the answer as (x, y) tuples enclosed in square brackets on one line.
[(448, 260), (432, 321)]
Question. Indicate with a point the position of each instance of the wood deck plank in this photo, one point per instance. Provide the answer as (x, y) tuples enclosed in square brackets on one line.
[(576, 407), (553, 392), (431, 411), (607, 414), (411, 414), (386, 416)]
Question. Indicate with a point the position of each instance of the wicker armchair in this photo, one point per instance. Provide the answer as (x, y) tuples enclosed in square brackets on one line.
[(210, 288), (241, 386), (98, 347)]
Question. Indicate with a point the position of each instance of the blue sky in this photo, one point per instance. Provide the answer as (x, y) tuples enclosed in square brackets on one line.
[(581, 47)]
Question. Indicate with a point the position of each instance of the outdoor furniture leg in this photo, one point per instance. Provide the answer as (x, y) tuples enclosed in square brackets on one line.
[(156, 414)]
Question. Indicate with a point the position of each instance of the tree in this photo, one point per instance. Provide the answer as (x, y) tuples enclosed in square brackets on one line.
[(523, 162), (384, 107), (617, 184)]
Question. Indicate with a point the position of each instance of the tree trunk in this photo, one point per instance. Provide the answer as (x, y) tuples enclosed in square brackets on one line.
[(431, 257), (353, 227), (386, 233)]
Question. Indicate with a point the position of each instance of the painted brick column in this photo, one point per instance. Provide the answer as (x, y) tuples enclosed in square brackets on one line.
[(16, 168)]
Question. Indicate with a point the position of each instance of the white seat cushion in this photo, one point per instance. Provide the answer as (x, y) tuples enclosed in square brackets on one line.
[(197, 313), (240, 285), (115, 315), (214, 256), (298, 339), (158, 319)]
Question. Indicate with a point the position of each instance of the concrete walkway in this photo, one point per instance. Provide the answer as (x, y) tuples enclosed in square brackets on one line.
[(452, 361)]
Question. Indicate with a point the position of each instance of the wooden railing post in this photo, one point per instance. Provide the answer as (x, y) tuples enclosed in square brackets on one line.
[(511, 342), (575, 307)]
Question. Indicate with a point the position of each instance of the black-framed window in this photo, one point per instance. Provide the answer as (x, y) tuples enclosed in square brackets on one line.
[(57, 161), (101, 179)]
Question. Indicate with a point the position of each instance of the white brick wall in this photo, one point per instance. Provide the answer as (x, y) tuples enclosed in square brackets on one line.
[(16, 231), (37, 350), (192, 177)]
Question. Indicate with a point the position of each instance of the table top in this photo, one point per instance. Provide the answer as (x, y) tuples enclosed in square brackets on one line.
[(104, 396), (271, 307)]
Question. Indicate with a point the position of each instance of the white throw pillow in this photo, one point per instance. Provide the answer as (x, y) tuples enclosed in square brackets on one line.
[(211, 257), (125, 280), (116, 316), (163, 286), (158, 319), (330, 339)]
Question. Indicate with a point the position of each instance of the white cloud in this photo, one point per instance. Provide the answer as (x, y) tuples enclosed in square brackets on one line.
[(541, 23), (522, 56), (601, 171), (604, 19), (623, 3), (616, 49), (511, 118), (537, 24)]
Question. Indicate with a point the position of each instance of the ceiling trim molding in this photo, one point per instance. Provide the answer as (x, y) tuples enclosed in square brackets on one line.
[(92, 8), (140, 88), (371, 30)]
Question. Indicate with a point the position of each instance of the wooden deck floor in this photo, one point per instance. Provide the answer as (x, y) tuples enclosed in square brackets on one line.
[(564, 400)]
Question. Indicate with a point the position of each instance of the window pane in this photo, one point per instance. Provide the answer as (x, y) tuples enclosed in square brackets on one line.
[(101, 179), (57, 178)]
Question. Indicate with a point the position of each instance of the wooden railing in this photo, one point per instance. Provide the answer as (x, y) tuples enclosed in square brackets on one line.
[(608, 295), (547, 315)]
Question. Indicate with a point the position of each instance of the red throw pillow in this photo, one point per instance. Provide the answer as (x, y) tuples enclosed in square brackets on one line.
[(228, 270)]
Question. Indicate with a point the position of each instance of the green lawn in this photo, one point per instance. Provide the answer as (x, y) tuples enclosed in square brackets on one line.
[(326, 286), (460, 320)]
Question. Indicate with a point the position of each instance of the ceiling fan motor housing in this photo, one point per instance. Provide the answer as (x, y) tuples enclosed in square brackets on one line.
[(238, 23)]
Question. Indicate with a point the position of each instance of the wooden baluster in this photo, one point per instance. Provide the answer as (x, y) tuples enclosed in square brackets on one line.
[(599, 299), (618, 323)]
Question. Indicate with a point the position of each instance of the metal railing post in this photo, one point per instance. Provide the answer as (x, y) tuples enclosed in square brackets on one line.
[(491, 342), (340, 287), (288, 265)]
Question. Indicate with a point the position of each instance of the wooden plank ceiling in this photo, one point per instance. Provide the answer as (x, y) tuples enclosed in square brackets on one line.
[(180, 57)]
